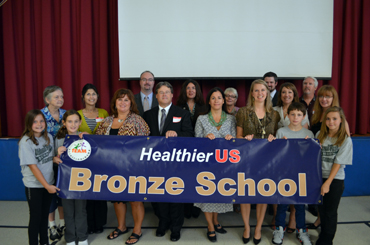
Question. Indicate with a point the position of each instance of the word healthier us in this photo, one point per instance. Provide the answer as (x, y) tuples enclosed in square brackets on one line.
[(156, 169)]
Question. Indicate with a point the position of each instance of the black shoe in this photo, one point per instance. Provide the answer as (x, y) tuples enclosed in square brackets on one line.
[(256, 241), (245, 240), (312, 226), (211, 238), (175, 236), (219, 229), (91, 231), (99, 230), (160, 232)]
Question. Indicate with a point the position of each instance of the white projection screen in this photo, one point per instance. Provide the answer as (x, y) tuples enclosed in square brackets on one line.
[(225, 38)]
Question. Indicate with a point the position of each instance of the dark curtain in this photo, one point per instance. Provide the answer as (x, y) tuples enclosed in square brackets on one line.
[(70, 43)]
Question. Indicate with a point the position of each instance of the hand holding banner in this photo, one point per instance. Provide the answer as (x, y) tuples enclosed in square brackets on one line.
[(156, 169)]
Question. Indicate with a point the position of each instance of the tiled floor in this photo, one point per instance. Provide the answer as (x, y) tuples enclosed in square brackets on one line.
[(353, 226)]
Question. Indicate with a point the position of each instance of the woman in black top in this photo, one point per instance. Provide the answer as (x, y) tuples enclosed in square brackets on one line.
[(191, 99)]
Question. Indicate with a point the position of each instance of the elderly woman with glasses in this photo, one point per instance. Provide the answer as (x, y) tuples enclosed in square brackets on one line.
[(231, 96)]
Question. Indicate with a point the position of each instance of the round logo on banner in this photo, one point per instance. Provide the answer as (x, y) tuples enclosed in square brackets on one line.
[(79, 150)]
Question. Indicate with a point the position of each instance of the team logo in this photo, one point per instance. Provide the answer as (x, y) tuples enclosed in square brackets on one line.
[(79, 150)]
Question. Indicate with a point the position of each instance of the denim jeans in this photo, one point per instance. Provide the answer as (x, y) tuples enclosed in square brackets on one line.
[(300, 215), (329, 212)]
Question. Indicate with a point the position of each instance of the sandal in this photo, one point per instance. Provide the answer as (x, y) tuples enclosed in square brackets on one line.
[(116, 233), (290, 230), (133, 236), (312, 226), (211, 238), (220, 229)]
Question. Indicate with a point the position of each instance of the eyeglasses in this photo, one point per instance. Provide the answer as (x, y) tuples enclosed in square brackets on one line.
[(149, 80), (326, 97), (230, 96), (166, 93)]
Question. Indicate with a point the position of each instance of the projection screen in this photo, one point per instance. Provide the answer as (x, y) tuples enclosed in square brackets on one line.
[(225, 38)]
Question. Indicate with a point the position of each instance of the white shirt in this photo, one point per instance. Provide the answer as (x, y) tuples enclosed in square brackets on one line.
[(160, 114), (272, 94)]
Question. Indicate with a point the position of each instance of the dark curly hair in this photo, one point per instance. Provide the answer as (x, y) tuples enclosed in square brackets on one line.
[(183, 99)]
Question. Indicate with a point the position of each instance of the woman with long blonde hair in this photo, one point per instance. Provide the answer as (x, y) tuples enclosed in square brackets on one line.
[(256, 120)]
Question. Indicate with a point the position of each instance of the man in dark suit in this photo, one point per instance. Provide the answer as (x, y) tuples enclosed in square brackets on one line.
[(168, 120), (272, 80), (145, 100)]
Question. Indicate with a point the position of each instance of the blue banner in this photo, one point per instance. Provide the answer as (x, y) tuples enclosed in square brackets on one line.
[(156, 169)]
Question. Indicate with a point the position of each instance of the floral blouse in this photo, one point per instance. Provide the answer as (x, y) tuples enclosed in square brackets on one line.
[(53, 125), (248, 120), (134, 125)]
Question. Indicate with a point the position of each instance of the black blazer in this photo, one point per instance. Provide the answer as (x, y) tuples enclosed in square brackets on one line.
[(275, 98), (139, 104), (182, 128), (199, 110)]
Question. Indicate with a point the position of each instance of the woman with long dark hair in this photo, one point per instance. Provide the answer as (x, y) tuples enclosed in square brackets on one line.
[(216, 123)]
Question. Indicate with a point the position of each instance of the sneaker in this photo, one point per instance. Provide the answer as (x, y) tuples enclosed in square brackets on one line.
[(303, 237), (278, 235), (84, 242), (54, 235), (61, 230)]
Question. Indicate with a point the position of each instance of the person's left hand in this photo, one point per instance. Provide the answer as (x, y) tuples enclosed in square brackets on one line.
[(325, 188), (271, 138), (61, 150), (228, 137), (81, 134), (171, 133), (57, 160)]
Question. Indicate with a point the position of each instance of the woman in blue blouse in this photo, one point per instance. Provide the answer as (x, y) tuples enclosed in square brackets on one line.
[(53, 98)]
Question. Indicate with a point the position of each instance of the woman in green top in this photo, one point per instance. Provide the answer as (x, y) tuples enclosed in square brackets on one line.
[(91, 118)]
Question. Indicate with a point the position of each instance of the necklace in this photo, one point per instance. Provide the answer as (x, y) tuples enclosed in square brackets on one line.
[(262, 127), (120, 120), (213, 122)]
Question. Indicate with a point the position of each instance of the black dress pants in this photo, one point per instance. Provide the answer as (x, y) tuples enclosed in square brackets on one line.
[(96, 214), (171, 215)]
